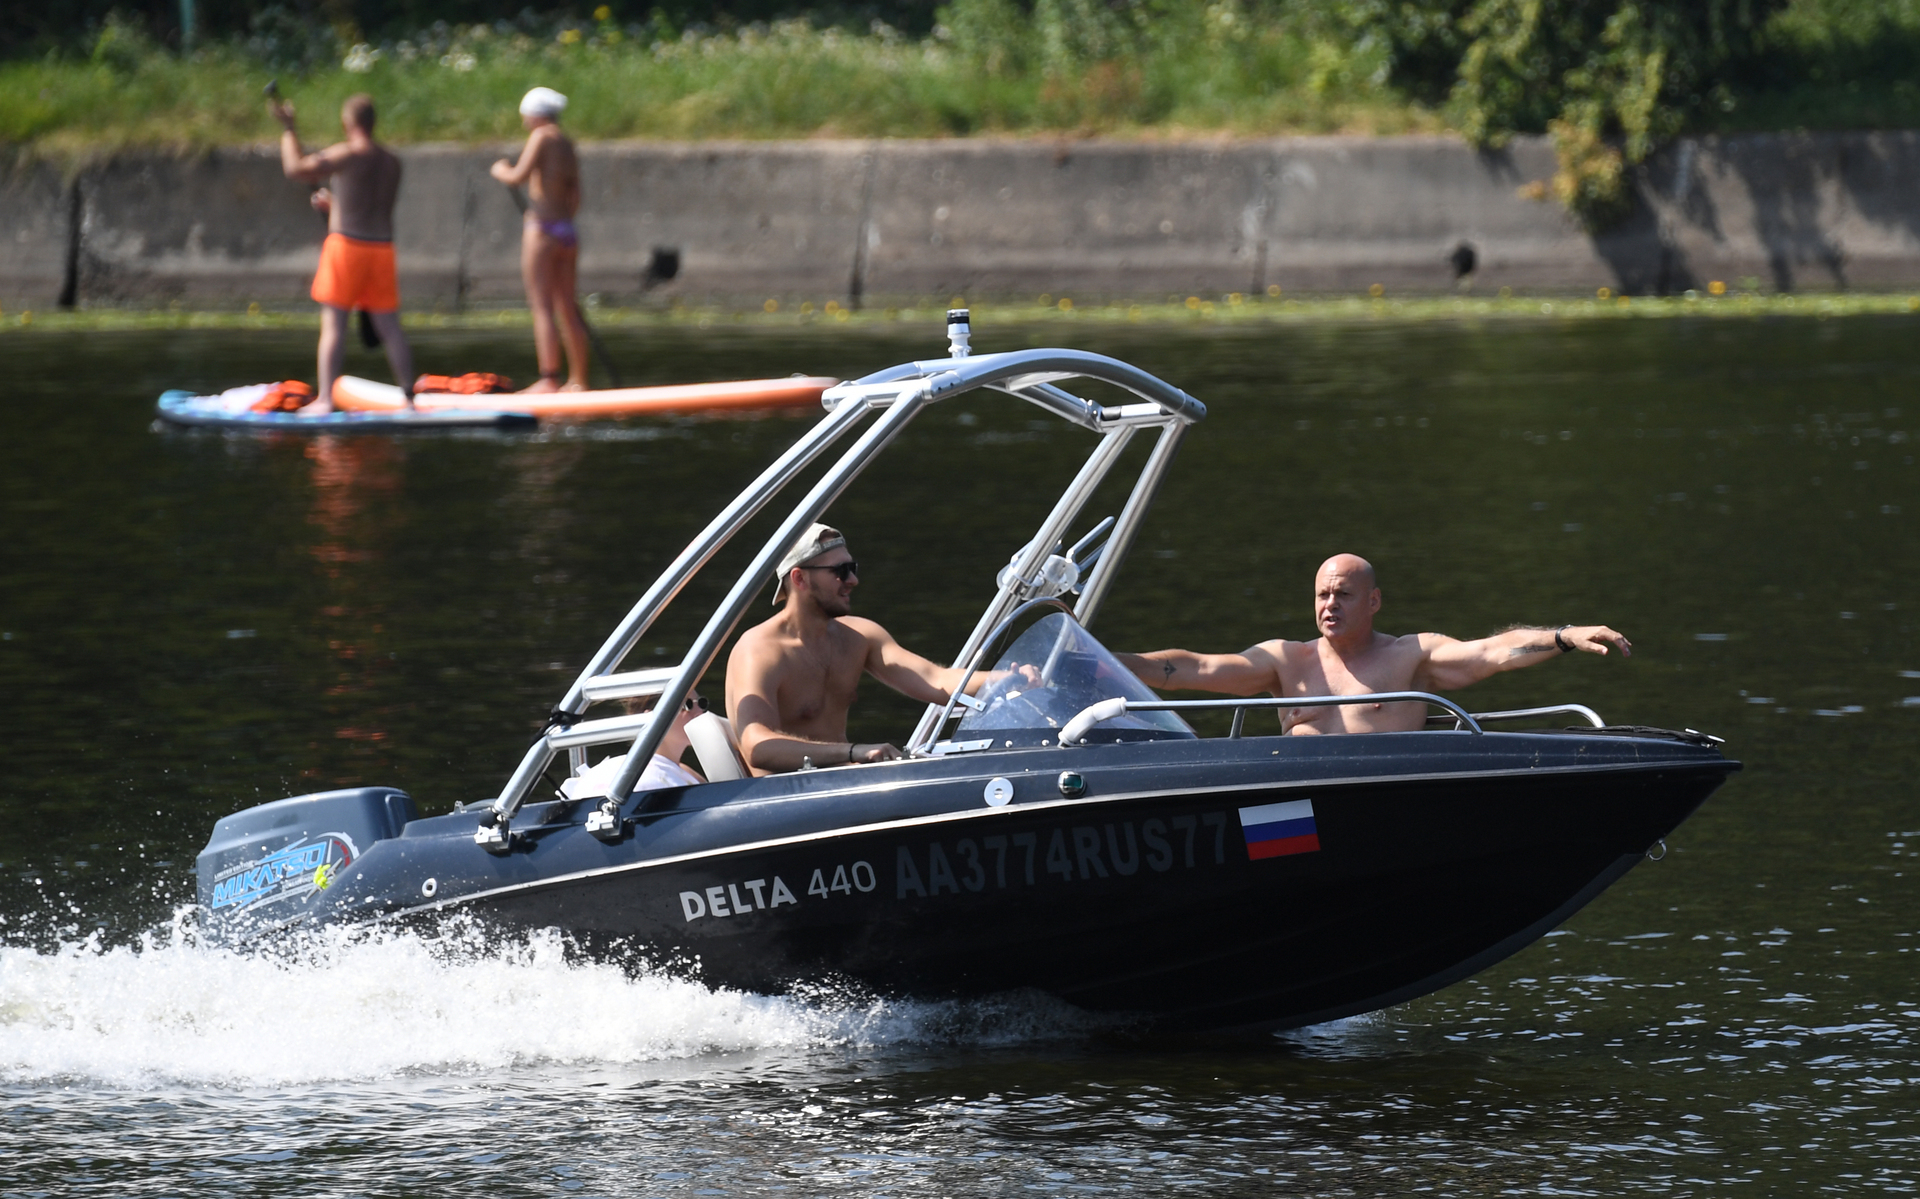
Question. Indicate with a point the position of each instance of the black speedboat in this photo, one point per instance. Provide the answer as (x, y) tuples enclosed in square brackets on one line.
[(1072, 835)]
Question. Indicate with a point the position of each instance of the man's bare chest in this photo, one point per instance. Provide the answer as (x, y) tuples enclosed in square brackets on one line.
[(813, 683), (1324, 672)]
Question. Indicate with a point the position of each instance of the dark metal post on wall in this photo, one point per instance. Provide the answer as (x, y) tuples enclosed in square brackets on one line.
[(76, 227)]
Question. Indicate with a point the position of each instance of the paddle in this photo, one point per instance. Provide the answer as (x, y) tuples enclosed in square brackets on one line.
[(606, 360)]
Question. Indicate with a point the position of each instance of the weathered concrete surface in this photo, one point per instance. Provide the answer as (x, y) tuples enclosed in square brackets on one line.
[(862, 221), (35, 218), (1306, 214), (775, 219), (218, 228), (1795, 211)]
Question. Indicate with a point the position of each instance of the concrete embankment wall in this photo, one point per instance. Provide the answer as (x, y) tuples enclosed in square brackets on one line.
[(863, 221)]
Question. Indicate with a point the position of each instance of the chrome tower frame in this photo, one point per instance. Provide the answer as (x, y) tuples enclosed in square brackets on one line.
[(897, 396)]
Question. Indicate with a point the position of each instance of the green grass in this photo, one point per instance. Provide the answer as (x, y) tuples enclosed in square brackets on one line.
[(1049, 312), (1229, 67), (789, 80)]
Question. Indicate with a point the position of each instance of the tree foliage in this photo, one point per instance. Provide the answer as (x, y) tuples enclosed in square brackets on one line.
[(1610, 80)]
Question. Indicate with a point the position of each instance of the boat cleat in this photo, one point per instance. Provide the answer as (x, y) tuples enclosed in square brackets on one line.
[(495, 834), (604, 822)]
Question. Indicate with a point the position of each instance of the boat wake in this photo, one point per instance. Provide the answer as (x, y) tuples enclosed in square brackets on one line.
[(342, 1006)]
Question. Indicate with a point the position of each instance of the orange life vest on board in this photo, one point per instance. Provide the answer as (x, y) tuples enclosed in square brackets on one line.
[(290, 396), (474, 383)]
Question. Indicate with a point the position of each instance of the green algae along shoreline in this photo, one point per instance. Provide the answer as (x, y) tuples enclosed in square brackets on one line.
[(1044, 313)]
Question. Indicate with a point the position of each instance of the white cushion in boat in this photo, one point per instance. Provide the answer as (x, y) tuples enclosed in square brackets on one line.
[(716, 747), (595, 781)]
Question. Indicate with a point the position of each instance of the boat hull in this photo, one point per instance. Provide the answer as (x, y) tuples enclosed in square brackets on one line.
[(1433, 856)]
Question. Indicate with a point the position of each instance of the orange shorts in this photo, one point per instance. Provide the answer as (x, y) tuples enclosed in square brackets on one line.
[(356, 274)]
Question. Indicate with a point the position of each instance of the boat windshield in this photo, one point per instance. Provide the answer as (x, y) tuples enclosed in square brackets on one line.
[(1046, 677)]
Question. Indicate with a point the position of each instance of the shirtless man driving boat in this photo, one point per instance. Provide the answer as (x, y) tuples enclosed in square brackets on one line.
[(1351, 658), (549, 245), (356, 261), (791, 680)]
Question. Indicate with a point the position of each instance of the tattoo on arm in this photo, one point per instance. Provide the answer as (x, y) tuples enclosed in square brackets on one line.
[(1532, 649), (1167, 668)]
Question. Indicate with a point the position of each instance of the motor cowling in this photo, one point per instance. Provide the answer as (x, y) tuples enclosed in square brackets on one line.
[(268, 863)]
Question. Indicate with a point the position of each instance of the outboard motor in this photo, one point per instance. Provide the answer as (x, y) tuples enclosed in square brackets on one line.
[(265, 864)]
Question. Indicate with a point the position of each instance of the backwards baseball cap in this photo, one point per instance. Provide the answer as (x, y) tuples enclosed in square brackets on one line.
[(817, 540), (543, 102)]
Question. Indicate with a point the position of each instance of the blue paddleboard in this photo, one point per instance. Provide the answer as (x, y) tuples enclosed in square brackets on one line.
[(232, 409)]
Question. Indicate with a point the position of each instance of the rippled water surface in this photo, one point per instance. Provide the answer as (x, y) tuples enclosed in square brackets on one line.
[(195, 623)]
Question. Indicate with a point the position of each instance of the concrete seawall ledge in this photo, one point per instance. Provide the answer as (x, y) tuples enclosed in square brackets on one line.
[(864, 221)]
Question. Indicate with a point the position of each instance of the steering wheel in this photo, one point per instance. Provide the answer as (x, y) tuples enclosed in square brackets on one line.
[(1020, 702), (1021, 712)]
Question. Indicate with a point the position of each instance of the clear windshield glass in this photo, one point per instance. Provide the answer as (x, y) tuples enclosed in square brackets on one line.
[(1054, 670)]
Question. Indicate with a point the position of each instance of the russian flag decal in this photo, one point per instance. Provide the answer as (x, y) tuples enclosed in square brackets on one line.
[(1276, 829)]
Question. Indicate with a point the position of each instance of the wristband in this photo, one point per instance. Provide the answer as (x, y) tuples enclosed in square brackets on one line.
[(1562, 641)]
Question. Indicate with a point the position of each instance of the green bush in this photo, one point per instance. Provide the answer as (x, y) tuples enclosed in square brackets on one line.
[(1080, 66), (1609, 79)]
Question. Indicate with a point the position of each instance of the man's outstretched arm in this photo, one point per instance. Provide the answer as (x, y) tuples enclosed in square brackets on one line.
[(295, 163), (1448, 664), (1247, 673), (907, 672)]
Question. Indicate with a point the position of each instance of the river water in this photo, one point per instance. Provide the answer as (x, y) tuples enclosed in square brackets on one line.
[(194, 623)]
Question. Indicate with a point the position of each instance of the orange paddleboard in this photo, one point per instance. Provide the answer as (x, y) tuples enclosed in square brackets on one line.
[(353, 394)]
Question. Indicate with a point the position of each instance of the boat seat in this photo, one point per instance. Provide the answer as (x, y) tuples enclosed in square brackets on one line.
[(716, 747)]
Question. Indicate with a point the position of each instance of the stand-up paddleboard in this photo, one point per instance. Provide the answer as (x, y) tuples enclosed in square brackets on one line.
[(364, 395), (232, 409)]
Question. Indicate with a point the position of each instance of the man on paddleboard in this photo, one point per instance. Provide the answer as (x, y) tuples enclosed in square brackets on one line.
[(549, 245), (1351, 657), (356, 260), (791, 680)]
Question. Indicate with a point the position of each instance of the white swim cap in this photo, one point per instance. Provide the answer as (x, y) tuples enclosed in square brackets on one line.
[(543, 102)]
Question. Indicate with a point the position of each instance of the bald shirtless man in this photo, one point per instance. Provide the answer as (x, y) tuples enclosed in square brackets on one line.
[(356, 261), (791, 680), (1351, 658), (549, 245)]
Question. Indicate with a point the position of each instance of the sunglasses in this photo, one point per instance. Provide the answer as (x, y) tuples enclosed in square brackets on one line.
[(696, 703), (842, 571)]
